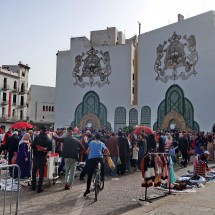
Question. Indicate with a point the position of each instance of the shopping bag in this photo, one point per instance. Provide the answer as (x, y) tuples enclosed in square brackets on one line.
[(13, 160), (110, 163), (118, 161)]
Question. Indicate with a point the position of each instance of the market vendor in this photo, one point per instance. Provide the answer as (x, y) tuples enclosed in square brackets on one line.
[(204, 158)]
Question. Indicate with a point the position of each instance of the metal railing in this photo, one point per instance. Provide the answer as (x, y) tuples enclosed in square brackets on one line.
[(10, 188)]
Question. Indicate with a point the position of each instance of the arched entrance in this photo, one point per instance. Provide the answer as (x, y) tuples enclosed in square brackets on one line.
[(176, 110), (90, 120), (174, 120)]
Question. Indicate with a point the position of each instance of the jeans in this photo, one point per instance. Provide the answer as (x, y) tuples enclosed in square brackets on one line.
[(91, 168), (62, 164), (38, 163), (70, 164)]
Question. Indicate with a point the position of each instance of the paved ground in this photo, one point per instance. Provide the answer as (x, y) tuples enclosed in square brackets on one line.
[(118, 197)]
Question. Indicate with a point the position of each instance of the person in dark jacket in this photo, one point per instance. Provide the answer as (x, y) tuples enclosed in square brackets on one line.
[(184, 148), (13, 144), (70, 152), (123, 152), (40, 146)]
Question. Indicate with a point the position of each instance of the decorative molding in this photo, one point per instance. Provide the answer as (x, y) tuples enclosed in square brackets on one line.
[(176, 58), (90, 117), (93, 70)]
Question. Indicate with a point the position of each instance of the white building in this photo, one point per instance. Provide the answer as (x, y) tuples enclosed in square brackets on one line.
[(41, 105), (13, 94), (163, 81)]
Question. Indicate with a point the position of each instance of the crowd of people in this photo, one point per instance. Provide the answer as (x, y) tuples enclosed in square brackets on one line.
[(29, 150)]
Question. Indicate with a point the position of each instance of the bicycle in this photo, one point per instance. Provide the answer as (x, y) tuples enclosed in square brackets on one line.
[(98, 181)]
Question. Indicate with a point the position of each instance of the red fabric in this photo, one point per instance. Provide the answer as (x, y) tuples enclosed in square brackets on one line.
[(9, 105), (7, 134), (139, 129), (21, 125)]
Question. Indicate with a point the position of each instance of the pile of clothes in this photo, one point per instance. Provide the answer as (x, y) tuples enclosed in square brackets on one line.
[(9, 185)]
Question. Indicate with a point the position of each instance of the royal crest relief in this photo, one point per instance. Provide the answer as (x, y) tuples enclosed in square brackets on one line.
[(92, 68), (176, 58)]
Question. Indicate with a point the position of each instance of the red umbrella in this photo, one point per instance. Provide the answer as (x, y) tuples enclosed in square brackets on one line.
[(139, 130), (21, 125)]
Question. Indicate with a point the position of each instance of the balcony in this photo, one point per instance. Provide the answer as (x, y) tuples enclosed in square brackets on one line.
[(22, 92), (5, 88), (5, 118), (3, 103), (14, 90), (23, 105)]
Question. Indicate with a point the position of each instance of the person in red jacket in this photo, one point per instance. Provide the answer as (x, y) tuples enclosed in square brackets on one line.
[(4, 145)]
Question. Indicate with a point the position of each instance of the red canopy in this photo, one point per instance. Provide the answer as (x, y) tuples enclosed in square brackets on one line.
[(139, 130), (21, 125)]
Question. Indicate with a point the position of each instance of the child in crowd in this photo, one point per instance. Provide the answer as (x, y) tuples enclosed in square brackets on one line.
[(135, 151)]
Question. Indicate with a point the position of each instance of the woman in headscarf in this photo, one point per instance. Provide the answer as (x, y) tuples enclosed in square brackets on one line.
[(23, 156)]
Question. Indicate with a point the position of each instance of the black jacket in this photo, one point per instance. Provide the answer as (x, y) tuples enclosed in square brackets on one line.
[(13, 143), (71, 147), (41, 140)]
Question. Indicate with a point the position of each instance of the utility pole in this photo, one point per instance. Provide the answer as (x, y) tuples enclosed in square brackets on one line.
[(139, 27)]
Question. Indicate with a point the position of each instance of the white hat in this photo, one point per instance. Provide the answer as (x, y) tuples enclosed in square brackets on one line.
[(206, 152)]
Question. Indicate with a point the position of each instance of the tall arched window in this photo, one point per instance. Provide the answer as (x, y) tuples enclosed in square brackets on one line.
[(133, 117), (44, 108), (22, 101), (53, 108), (5, 83), (22, 88), (174, 99), (21, 114), (15, 85), (91, 103), (13, 112), (146, 116), (49, 108), (119, 118)]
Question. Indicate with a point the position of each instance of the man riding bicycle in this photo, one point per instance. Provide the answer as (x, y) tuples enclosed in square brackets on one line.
[(97, 150)]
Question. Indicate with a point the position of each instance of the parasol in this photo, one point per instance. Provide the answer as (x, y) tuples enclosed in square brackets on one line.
[(21, 125), (139, 130)]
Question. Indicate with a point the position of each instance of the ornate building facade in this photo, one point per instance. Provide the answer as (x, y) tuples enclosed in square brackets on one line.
[(13, 94), (162, 79)]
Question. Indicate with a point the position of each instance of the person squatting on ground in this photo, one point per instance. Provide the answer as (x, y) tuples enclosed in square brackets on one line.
[(40, 146), (70, 152), (97, 150)]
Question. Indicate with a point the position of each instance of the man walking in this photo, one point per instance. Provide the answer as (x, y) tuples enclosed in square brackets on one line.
[(184, 147), (40, 146), (70, 153)]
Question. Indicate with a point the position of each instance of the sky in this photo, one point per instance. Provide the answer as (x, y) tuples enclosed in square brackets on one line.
[(32, 31)]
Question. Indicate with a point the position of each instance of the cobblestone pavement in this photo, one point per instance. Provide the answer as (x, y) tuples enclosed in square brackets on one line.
[(117, 197)]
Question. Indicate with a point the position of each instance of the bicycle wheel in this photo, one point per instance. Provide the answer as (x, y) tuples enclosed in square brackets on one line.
[(96, 185), (102, 184)]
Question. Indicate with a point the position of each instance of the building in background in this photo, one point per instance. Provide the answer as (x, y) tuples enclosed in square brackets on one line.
[(13, 94), (41, 105), (164, 80), (94, 80)]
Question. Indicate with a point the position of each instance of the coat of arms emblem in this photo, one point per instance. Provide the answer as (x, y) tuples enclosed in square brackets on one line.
[(176, 58), (93, 69)]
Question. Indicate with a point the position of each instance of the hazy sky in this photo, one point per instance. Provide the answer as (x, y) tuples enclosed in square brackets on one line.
[(32, 31)]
